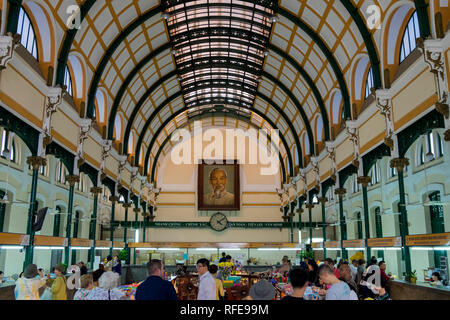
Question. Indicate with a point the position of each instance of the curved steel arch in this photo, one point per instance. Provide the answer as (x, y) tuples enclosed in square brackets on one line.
[(155, 136), (269, 76), (368, 41), (328, 54), (312, 85), (262, 115), (130, 28), (141, 64), (234, 116)]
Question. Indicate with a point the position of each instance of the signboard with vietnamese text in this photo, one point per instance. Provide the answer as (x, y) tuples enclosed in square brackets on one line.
[(438, 239), (332, 244), (359, 243), (385, 242)]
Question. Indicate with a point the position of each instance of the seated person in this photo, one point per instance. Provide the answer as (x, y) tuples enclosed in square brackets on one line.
[(436, 279)]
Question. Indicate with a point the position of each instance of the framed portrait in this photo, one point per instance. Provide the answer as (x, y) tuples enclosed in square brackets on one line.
[(218, 186)]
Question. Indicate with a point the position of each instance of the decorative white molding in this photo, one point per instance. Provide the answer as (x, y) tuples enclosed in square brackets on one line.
[(8, 44), (383, 98)]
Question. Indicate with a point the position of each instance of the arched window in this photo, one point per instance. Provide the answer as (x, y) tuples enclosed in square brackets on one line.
[(121, 199), (369, 83), (118, 128), (68, 81), (360, 227), (27, 34), (131, 143), (100, 101), (375, 174), (412, 32), (337, 104), (319, 128), (7, 148), (306, 143), (440, 146), (61, 172), (355, 187), (437, 223)]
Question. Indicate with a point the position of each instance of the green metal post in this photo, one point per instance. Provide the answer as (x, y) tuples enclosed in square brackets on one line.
[(310, 207), (144, 208), (135, 228), (404, 223), (366, 220), (340, 193), (93, 225), (113, 200), (322, 201), (69, 224), (31, 216), (75, 235)]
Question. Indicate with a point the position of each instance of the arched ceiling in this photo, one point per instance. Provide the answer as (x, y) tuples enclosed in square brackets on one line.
[(199, 53), (213, 117)]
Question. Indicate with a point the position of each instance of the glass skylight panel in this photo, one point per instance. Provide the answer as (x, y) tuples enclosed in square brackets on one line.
[(219, 48)]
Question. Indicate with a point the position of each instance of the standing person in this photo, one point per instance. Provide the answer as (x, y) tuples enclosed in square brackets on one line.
[(1, 276), (27, 286), (312, 272), (339, 290), (59, 286), (299, 281), (155, 287), (384, 277), (224, 258), (220, 293), (83, 268), (361, 263), (86, 285), (206, 283), (330, 262), (107, 288), (354, 269), (285, 265), (346, 276), (117, 265), (96, 275), (109, 263)]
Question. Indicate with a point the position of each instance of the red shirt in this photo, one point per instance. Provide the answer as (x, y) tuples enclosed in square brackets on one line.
[(336, 272), (384, 275)]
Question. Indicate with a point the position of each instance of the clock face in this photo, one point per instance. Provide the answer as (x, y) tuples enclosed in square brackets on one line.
[(218, 222)]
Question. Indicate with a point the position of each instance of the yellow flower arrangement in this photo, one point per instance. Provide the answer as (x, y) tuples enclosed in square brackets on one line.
[(226, 265)]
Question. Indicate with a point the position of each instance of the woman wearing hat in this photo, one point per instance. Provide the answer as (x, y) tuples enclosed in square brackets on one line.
[(58, 288), (262, 290), (27, 287)]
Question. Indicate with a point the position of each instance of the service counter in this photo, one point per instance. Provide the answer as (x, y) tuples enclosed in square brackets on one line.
[(403, 290)]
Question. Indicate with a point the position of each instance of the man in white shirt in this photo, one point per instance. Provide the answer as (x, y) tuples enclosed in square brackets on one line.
[(206, 282)]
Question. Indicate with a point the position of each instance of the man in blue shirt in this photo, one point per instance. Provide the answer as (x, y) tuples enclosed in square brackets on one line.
[(155, 287)]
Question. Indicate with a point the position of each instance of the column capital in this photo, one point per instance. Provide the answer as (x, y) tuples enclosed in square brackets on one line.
[(285, 218), (299, 210), (127, 205), (447, 135), (291, 214), (340, 191), (137, 210), (399, 163), (323, 200), (36, 162), (72, 179), (113, 199), (364, 181), (8, 44), (96, 190), (309, 206)]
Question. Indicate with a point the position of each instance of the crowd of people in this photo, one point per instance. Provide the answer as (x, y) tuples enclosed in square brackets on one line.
[(101, 284), (328, 281)]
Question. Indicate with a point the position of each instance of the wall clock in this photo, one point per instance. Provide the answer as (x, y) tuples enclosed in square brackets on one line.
[(218, 222)]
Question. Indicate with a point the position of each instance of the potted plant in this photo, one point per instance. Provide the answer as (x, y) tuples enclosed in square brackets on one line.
[(413, 277), (123, 256)]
